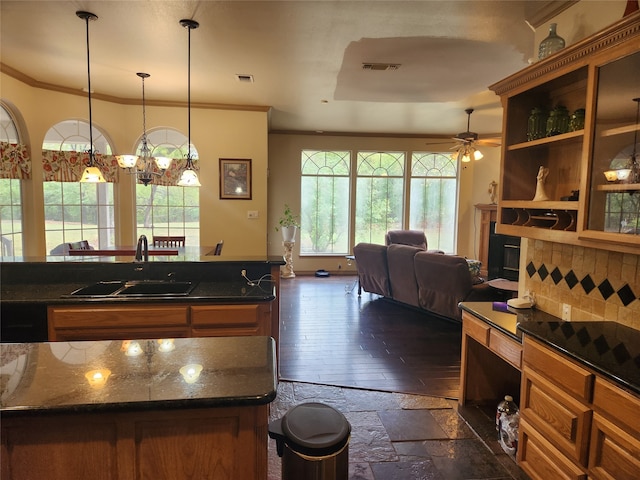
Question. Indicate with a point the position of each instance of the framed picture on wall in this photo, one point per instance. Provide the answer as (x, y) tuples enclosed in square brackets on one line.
[(235, 179)]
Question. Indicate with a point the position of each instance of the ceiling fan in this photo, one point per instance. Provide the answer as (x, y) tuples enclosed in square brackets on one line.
[(466, 143)]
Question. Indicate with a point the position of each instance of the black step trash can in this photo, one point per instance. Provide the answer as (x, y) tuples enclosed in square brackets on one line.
[(313, 441)]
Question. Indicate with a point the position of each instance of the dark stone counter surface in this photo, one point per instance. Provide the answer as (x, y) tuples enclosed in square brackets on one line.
[(139, 374), (609, 348)]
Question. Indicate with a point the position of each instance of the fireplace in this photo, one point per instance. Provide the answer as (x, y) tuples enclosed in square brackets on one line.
[(504, 255)]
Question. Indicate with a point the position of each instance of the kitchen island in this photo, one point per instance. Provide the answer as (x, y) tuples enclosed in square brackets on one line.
[(188, 408)]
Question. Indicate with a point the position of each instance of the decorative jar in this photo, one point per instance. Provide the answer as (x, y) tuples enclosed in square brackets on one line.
[(558, 121), (577, 120), (537, 127)]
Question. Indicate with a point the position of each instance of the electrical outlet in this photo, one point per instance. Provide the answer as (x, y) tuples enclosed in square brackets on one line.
[(252, 214), (566, 312)]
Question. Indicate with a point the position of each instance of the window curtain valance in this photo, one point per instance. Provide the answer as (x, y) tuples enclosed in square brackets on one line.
[(60, 166), (15, 161)]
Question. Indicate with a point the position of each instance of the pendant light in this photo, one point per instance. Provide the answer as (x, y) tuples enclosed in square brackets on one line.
[(189, 177), (146, 160), (92, 173)]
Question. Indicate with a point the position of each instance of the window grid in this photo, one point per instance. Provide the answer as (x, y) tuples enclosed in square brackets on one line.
[(168, 210), (325, 202), (434, 198), (382, 186), (10, 194), (77, 211), (379, 195)]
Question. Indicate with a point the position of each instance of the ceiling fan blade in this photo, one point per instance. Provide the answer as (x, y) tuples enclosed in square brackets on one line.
[(489, 142)]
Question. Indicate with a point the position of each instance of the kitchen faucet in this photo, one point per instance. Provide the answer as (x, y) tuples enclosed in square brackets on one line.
[(143, 247)]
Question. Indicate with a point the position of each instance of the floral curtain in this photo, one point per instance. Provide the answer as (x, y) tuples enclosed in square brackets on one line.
[(60, 166), (15, 161)]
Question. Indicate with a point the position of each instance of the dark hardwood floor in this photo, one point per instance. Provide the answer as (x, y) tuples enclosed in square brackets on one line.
[(331, 337)]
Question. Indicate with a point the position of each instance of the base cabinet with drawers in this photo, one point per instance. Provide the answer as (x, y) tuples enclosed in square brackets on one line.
[(172, 320), (575, 424)]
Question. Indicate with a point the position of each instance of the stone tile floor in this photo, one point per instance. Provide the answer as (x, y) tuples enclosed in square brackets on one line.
[(397, 436)]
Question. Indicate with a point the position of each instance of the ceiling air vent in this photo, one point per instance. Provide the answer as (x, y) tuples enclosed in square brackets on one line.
[(244, 78), (380, 67)]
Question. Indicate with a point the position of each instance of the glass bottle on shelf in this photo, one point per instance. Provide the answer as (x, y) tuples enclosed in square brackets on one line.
[(551, 44), (537, 127)]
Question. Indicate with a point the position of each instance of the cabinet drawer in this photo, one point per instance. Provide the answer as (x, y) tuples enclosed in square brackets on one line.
[(475, 328), (100, 316), (558, 369), (221, 315), (506, 348), (614, 453), (562, 419), (540, 460), (617, 404)]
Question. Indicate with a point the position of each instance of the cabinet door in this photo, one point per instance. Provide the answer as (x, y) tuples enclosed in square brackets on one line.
[(612, 212), (228, 320), (614, 453), (107, 322)]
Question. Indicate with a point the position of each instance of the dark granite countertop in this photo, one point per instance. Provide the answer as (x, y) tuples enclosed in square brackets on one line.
[(140, 374), (609, 348), (204, 292)]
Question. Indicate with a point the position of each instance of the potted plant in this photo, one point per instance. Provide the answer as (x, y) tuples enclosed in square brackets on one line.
[(288, 224)]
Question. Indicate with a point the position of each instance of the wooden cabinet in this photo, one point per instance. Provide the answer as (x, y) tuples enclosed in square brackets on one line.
[(225, 443), (113, 322), (110, 322), (490, 364), (221, 320), (571, 78), (574, 423)]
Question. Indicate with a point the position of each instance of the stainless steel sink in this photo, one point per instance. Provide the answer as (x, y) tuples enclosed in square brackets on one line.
[(138, 288)]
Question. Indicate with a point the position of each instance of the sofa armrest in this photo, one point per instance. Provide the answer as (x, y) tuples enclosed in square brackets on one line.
[(371, 263)]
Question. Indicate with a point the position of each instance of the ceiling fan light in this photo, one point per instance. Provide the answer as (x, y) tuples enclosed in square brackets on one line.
[(127, 161), (92, 175), (189, 178), (477, 155), (163, 162), (466, 158)]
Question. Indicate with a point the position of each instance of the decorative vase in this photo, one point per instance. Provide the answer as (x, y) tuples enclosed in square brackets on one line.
[(577, 120), (551, 44), (289, 234)]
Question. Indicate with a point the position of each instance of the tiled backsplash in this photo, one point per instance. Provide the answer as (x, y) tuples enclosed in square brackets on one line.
[(598, 284)]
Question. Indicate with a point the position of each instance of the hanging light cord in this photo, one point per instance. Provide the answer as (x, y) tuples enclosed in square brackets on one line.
[(189, 99), (89, 16), (145, 147)]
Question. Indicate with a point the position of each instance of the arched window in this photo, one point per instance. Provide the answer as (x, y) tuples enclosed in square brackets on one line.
[(167, 209), (76, 211), (15, 153)]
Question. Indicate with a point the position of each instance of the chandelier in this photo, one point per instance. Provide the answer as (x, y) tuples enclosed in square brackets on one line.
[(142, 165), (92, 173), (189, 177)]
